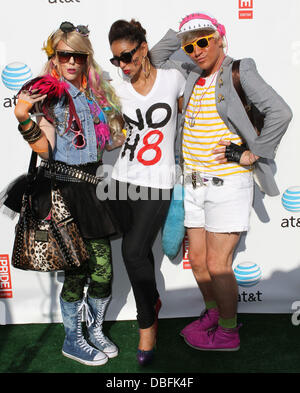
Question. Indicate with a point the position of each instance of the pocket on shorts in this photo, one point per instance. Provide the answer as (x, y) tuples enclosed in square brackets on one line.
[(241, 181)]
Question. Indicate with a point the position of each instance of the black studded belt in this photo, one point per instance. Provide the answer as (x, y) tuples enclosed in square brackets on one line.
[(66, 172)]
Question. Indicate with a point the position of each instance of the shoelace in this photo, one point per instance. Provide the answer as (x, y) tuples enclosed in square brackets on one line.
[(100, 337), (84, 345), (211, 333), (80, 339), (98, 327), (84, 307)]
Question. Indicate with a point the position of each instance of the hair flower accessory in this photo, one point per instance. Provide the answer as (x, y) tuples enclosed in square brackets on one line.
[(48, 48)]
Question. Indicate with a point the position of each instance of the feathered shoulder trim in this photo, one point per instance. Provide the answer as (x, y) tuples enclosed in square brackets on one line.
[(55, 89)]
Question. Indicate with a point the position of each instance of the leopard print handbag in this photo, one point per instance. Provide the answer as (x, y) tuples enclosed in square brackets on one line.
[(50, 244)]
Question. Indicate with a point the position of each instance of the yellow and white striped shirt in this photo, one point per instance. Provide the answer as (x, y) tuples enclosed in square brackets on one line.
[(199, 141)]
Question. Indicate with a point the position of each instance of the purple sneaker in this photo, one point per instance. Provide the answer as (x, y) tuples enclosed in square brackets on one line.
[(216, 339), (208, 319)]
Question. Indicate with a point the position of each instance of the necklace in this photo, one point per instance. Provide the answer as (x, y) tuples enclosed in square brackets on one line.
[(101, 126), (93, 107), (64, 123), (201, 82)]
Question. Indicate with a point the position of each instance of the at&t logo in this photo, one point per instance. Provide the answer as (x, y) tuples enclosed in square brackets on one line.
[(248, 274), (291, 202), (291, 199), (15, 75)]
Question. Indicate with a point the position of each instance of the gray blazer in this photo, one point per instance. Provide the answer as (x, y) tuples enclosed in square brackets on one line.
[(230, 108)]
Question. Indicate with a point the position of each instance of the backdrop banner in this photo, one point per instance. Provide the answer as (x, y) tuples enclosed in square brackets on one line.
[(267, 260)]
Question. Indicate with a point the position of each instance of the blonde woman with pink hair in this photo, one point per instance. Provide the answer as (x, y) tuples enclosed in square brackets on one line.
[(79, 115)]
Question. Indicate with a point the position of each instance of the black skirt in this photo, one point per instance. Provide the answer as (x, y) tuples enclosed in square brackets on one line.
[(95, 218)]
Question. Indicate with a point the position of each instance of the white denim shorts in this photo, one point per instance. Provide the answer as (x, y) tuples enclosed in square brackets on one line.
[(220, 208)]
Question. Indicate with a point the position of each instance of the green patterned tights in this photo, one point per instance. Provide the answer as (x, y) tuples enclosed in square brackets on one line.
[(98, 269)]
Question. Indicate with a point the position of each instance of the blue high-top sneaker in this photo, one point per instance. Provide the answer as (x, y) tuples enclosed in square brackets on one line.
[(96, 336), (75, 346)]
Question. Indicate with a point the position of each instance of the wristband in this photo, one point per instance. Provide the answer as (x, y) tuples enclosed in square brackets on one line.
[(25, 122), (234, 152)]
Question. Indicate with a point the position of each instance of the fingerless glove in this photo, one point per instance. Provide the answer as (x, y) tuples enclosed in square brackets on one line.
[(234, 152)]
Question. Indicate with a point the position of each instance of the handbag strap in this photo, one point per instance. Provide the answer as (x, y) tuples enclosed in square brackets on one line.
[(52, 167), (237, 83), (255, 117), (32, 170)]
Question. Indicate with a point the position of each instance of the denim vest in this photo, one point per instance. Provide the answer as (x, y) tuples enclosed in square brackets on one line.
[(64, 149)]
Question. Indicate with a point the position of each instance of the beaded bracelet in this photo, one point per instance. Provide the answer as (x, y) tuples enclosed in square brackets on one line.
[(32, 137), (32, 134), (24, 132)]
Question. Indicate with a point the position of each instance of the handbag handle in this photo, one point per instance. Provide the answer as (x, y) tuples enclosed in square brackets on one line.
[(32, 166), (32, 170), (52, 167)]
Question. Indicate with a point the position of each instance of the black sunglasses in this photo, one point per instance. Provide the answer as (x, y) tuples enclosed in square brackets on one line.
[(125, 57), (64, 57), (68, 27)]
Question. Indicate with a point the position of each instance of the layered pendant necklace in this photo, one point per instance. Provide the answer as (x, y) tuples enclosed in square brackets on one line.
[(99, 119), (200, 82), (93, 107)]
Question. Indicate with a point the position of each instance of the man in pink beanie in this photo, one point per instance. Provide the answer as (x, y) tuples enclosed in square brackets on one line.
[(221, 150)]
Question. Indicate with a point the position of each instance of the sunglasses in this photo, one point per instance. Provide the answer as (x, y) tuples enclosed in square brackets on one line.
[(68, 27), (79, 140), (64, 57), (125, 57), (202, 43)]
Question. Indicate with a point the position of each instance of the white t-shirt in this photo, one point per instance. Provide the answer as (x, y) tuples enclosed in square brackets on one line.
[(147, 155)]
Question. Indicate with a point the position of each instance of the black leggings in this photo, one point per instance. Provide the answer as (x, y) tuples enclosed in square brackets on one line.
[(147, 217)]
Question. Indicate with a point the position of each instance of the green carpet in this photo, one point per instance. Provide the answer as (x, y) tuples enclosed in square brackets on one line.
[(269, 344)]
